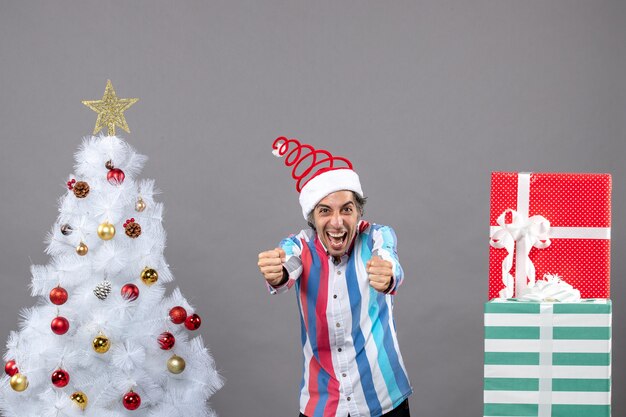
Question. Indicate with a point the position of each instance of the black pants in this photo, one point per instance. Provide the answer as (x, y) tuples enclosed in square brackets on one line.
[(400, 411)]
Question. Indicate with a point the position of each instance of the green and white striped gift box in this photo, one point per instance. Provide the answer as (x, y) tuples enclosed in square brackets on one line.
[(547, 359)]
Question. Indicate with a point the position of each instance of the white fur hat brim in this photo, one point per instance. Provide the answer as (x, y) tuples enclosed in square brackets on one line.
[(326, 183)]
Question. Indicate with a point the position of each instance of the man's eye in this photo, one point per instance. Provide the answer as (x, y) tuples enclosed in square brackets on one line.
[(347, 210)]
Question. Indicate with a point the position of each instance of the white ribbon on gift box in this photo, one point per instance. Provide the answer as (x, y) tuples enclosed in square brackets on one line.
[(550, 289), (546, 291), (524, 233), (546, 332)]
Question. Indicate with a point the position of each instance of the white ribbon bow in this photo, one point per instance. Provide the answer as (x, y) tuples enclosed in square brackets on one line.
[(550, 288), (527, 233)]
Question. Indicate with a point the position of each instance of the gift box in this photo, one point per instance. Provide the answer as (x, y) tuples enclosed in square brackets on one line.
[(550, 223), (546, 359)]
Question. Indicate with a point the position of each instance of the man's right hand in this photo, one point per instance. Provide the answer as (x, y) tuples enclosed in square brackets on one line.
[(271, 266)]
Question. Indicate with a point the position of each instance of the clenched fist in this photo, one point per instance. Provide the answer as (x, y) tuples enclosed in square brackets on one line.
[(271, 266), (379, 273)]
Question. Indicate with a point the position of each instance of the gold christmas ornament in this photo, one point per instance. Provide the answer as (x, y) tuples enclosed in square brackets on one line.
[(19, 382), (101, 344), (149, 276), (80, 399), (176, 364), (110, 110), (106, 231), (140, 205), (82, 249)]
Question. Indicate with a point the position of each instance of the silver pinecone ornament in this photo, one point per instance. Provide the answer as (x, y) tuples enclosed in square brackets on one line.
[(103, 289)]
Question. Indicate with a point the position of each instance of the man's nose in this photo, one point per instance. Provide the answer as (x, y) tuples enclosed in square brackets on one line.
[(336, 221)]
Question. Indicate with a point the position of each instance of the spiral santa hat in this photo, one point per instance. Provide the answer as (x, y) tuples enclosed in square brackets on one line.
[(316, 171)]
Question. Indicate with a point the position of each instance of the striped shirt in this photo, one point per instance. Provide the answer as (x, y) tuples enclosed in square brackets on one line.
[(351, 359)]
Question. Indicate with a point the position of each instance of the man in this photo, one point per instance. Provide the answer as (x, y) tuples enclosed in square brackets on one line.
[(345, 271)]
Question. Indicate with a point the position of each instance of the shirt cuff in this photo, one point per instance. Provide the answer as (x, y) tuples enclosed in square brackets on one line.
[(293, 266), (392, 285)]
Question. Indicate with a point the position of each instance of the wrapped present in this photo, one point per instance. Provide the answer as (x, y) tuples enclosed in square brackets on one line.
[(547, 359), (550, 223)]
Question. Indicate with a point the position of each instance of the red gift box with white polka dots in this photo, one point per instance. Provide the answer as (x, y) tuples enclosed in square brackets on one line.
[(566, 201)]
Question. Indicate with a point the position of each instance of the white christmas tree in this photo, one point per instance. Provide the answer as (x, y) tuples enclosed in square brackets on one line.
[(104, 339)]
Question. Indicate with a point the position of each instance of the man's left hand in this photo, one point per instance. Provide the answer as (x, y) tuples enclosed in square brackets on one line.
[(379, 273)]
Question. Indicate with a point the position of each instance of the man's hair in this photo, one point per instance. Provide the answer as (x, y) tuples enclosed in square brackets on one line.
[(358, 201)]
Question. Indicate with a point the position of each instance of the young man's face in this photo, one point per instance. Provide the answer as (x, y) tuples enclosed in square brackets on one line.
[(336, 217)]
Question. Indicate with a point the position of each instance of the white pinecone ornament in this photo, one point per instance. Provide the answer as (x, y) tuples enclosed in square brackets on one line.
[(103, 289)]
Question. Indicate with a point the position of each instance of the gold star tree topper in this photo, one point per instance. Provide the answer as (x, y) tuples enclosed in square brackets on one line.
[(110, 110)]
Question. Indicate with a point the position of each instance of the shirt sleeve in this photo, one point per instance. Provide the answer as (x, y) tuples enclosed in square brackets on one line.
[(385, 246), (293, 263)]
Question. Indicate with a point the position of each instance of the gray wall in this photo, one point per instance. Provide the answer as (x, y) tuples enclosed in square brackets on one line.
[(426, 98)]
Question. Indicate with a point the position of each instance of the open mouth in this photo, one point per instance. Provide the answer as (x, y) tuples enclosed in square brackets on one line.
[(337, 240)]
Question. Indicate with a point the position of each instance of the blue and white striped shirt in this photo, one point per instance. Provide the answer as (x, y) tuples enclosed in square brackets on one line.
[(351, 359)]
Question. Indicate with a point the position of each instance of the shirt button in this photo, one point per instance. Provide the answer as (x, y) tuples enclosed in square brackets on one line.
[(348, 398), (335, 296), (338, 272), (344, 375), (339, 350)]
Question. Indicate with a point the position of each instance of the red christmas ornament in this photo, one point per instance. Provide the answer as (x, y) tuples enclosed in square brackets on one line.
[(130, 292), (193, 322), (11, 368), (60, 378), (70, 184), (60, 325), (131, 400), (178, 315), (58, 295), (115, 176), (166, 340)]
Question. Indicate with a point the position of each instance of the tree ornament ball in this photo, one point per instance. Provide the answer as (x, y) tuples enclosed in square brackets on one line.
[(106, 231), (109, 164), (66, 230), (130, 292), (176, 364), (60, 325), (115, 176), (60, 378), (193, 322), (101, 344), (19, 382), (10, 368), (149, 276), (166, 340), (178, 315), (82, 249), (58, 295), (80, 399), (140, 205), (131, 401)]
